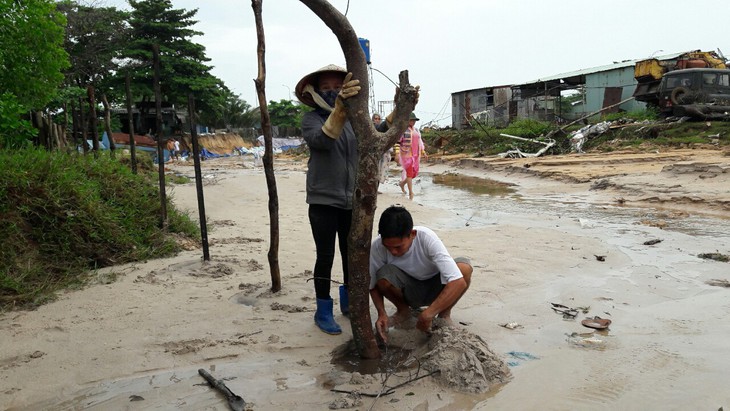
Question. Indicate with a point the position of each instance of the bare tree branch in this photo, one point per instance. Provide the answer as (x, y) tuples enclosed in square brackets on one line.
[(371, 146), (268, 159)]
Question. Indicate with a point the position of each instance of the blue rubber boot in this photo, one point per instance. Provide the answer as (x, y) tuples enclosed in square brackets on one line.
[(323, 317), (344, 301)]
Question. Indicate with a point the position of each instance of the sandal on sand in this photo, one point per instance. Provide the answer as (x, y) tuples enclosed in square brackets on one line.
[(597, 323)]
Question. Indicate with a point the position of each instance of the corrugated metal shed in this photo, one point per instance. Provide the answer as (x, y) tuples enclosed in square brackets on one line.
[(539, 99)]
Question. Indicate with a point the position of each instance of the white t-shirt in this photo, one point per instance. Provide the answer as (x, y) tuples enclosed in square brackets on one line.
[(426, 258)]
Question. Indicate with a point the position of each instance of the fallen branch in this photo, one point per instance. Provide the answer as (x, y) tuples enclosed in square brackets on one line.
[(547, 145)]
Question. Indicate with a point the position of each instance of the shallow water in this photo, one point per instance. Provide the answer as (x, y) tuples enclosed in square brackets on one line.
[(481, 202)]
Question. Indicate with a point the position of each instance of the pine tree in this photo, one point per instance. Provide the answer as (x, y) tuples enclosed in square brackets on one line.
[(183, 62)]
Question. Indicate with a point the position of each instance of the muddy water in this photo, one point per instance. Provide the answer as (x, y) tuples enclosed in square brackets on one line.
[(480, 201), (669, 325)]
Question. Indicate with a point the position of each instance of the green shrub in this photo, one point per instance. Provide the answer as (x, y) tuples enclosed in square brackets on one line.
[(61, 215), (14, 131), (527, 128)]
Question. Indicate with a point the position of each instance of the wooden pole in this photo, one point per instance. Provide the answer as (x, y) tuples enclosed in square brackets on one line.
[(108, 124), (158, 132), (198, 178), (82, 114), (268, 159), (132, 144), (92, 117)]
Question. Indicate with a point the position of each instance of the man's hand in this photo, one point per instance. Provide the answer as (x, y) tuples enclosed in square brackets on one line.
[(381, 326), (425, 319)]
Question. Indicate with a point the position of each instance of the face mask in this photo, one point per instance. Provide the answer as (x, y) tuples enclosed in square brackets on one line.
[(329, 96)]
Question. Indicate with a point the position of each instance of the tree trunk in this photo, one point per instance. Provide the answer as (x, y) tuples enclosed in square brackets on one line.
[(65, 126), (75, 128), (83, 126), (371, 146), (108, 124), (160, 137), (94, 125), (268, 159), (132, 144)]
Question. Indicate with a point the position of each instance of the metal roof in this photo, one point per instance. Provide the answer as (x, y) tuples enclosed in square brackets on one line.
[(598, 69)]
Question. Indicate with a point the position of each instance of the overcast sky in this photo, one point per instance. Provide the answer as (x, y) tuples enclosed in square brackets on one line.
[(450, 45)]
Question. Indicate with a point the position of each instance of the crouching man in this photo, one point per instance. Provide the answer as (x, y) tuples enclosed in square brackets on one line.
[(411, 267)]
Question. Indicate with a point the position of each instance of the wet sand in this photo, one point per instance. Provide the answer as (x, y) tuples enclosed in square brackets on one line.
[(137, 342)]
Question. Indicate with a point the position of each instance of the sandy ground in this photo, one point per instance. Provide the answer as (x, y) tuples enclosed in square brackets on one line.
[(136, 338)]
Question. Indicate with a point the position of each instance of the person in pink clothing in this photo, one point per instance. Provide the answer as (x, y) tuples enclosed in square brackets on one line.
[(408, 152)]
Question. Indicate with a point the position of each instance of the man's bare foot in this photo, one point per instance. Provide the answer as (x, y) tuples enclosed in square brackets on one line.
[(410, 196), (402, 186)]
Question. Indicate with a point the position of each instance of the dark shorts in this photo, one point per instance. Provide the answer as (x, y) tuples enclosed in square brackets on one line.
[(417, 293)]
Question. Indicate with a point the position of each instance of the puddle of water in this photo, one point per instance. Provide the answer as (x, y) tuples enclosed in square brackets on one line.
[(475, 185), (394, 359), (464, 198)]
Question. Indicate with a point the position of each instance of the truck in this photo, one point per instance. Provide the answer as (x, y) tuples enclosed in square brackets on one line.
[(695, 84)]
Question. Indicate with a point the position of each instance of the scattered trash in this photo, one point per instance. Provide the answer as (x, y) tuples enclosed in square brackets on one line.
[(568, 313), (520, 355), (715, 256), (652, 242), (600, 257), (718, 283), (596, 323), (585, 342), (579, 137), (584, 309), (511, 326)]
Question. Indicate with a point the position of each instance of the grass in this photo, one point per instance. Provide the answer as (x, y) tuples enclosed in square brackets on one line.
[(62, 215)]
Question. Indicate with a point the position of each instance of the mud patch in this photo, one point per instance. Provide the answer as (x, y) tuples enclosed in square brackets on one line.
[(152, 278), (249, 288), (235, 240), (253, 265), (212, 270), (464, 361), (187, 346), (288, 308), (223, 223), (453, 356), (19, 360)]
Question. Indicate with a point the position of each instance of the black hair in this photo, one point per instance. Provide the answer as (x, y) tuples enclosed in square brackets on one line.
[(395, 221)]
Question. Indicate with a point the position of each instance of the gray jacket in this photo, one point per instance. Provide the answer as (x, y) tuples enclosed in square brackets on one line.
[(332, 165)]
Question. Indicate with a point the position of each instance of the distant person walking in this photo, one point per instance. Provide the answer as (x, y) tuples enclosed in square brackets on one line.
[(409, 149), (170, 146)]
